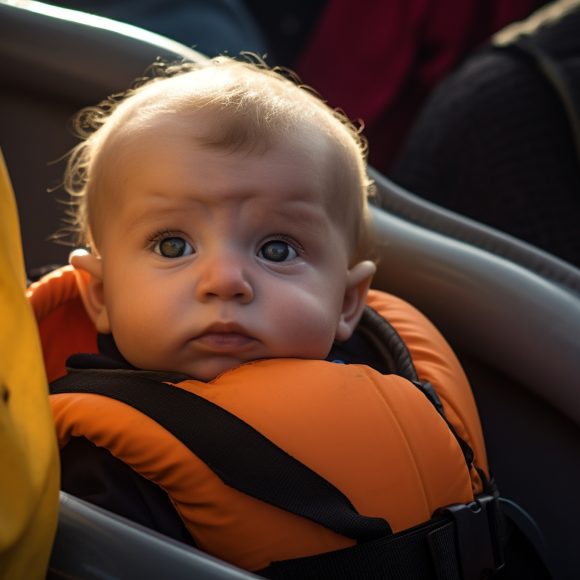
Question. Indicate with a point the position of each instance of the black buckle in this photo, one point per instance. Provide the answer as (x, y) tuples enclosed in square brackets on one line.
[(478, 536)]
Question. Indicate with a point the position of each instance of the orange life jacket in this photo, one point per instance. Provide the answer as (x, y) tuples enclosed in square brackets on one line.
[(375, 437)]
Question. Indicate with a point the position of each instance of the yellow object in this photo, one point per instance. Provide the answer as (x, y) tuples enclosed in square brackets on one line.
[(29, 475)]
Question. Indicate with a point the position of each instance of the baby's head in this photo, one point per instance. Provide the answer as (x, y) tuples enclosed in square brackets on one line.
[(226, 212)]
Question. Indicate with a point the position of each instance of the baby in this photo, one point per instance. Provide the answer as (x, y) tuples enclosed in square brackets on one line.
[(230, 257), (226, 213)]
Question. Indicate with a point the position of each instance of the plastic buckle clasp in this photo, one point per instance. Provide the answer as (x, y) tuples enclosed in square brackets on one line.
[(478, 536)]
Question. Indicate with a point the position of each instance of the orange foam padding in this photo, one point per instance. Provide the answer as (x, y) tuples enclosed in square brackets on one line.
[(64, 325), (375, 437)]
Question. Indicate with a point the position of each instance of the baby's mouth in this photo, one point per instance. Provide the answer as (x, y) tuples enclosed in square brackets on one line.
[(224, 337)]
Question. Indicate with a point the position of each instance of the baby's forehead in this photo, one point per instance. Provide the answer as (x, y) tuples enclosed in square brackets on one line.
[(210, 137), (221, 132), (205, 140), (234, 111)]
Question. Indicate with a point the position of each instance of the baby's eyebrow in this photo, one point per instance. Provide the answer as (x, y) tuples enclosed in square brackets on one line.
[(147, 215), (301, 220), (296, 209), (302, 210)]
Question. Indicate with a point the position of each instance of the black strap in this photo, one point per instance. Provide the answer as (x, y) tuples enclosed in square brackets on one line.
[(462, 542), (425, 552), (382, 336), (238, 454)]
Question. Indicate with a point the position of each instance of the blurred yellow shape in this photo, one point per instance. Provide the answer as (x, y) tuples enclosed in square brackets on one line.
[(29, 474)]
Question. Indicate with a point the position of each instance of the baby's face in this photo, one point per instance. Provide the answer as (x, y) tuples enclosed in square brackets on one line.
[(213, 258)]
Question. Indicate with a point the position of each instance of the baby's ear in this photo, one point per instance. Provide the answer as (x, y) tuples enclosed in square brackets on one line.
[(89, 275), (355, 296)]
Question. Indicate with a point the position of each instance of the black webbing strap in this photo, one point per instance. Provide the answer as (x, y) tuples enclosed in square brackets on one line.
[(383, 337), (238, 454), (462, 542), (425, 552)]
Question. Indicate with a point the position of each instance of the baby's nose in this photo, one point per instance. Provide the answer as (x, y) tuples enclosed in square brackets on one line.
[(224, 278)]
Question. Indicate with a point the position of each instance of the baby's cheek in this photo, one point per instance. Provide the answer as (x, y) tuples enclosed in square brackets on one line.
[(310, 333), (131, 324)]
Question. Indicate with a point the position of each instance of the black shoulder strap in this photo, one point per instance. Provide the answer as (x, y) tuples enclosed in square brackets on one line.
[(238, 454), (381, 335)]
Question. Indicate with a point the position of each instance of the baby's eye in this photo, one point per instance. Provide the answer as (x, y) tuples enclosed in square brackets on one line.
[(172, 247), (277, 251)]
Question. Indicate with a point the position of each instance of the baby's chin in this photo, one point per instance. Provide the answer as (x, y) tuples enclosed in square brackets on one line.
[(209, 370)]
